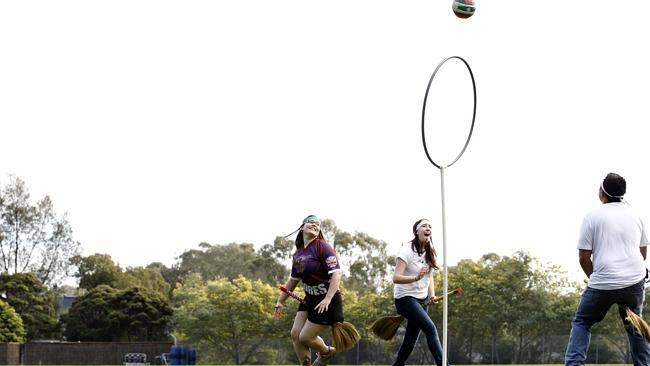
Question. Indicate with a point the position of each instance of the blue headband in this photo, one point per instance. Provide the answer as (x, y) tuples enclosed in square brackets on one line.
[(311, 218)]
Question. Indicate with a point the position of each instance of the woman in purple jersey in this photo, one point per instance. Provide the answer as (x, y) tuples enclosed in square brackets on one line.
[(316, 264)]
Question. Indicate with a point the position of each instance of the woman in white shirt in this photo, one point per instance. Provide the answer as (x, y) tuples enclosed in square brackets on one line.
[(414, 291)]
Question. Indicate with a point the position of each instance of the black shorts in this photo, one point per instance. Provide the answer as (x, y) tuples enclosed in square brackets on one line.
[(334, 313)]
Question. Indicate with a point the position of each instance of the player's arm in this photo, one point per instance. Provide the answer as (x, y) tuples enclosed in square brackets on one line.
[(335, 280), (644, 251), (398, 275), (290, 285), (584, 256), (432, 289)]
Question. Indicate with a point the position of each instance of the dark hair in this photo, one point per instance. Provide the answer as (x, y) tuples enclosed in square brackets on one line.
[(300, 241), (614, 187), (430, 255)]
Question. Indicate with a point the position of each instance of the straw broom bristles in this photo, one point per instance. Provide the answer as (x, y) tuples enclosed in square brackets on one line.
[(344, 336), (638, 323), (386, 327)]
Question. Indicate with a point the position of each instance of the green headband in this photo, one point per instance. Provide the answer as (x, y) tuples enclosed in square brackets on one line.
[(310, 218)]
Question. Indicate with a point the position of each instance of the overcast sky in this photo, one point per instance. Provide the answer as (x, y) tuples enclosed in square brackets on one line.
[(157, 125)]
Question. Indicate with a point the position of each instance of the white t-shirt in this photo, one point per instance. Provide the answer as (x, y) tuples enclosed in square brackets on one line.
[(614, 233), (414, 262)]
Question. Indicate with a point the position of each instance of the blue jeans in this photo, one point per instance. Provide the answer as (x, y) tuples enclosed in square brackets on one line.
[(593, 307), (415, 312)]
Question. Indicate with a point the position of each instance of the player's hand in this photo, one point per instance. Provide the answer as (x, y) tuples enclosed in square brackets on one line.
[(323, 305), (434, 299), (423, 271), (277, 312)]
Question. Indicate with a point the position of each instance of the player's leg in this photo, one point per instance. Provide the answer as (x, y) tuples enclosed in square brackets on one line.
[(303, 352), (593, 307)]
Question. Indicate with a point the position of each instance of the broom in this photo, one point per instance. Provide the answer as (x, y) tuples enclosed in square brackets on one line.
[(638, 323), (386, 327), (344, 334)]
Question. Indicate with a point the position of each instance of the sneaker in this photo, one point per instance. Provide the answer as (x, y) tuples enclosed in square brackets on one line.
[(324, 359)]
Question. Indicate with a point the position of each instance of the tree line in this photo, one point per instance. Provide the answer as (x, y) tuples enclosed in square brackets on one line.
[(219, 298)]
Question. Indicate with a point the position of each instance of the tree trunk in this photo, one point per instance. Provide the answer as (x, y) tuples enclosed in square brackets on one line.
[(471, 343), (235, 350), (521, 344), (17, 231), (358, 345), (541, 354), (250, 352), (494, 341)]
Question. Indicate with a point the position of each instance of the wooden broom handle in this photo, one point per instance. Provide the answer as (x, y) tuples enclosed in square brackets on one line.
[(290, 293)]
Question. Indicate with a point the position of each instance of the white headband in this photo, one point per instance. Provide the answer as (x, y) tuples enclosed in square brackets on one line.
[(423, 222)]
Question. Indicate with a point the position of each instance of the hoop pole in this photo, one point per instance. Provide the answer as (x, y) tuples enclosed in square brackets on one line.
[(442, 168), (445, 310)]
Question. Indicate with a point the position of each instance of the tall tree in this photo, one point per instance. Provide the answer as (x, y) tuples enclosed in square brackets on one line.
[(366, 258), (33, 238), (231, 261), (282, 250), (512, 310), (35, 303), (468, 310), (143, 314), (108, 314), (145, 278), (171, 274), (91, 316), (230, 320), (97, 269)]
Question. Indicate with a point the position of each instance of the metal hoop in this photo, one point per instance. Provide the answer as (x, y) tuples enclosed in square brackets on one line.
[(424, 107)]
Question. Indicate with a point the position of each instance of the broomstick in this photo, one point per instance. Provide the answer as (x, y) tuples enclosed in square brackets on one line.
[(638, 323), (290, 293), (344, 335), (386, 327)]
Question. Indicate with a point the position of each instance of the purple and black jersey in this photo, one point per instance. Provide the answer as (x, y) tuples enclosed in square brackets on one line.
[(313, 265)]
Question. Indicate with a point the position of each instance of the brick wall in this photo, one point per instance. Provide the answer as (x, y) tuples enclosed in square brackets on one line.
[(9, 353), (89, 353)]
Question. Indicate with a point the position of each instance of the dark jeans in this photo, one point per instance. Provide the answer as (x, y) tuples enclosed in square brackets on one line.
[(415, 312), (593, 307)]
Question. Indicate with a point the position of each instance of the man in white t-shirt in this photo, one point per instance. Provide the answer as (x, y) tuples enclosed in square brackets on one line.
[(612, 251)]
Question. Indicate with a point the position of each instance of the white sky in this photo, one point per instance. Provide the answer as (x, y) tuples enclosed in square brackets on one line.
[(161, 124)]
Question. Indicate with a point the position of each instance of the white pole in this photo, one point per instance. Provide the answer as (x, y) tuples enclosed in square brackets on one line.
[(444, 269), (442, 192)]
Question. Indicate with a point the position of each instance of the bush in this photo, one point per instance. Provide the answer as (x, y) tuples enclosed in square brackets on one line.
[(11, 325)]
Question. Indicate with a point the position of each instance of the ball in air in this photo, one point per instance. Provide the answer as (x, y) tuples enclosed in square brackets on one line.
[(463, 8)]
